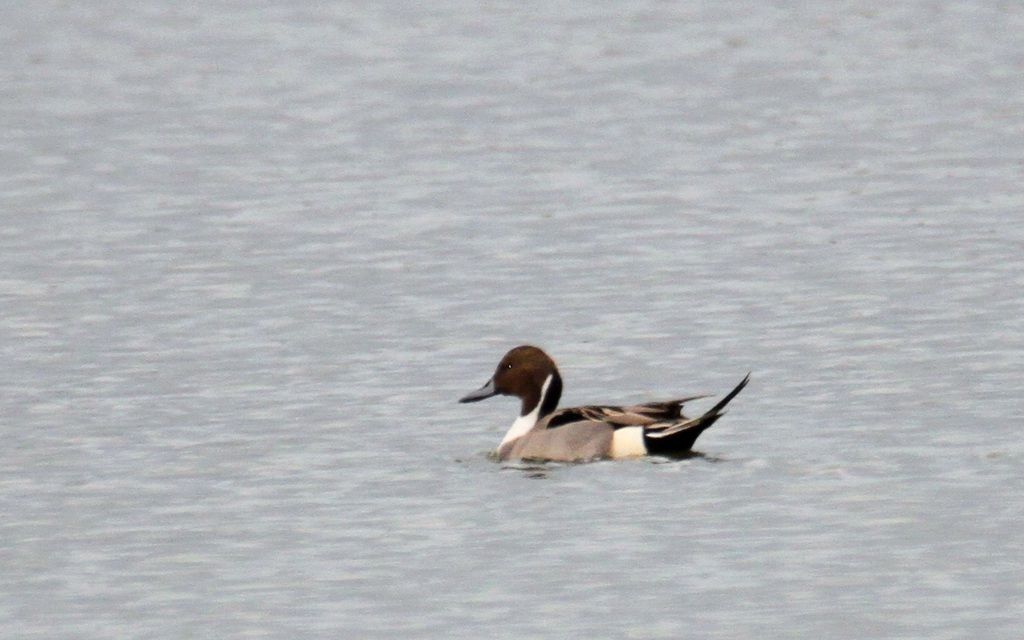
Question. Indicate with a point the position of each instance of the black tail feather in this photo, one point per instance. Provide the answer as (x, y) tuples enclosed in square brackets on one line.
[(681, 440), (732, 394)]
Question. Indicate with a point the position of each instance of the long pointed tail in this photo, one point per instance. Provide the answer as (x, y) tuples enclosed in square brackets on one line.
[(717, 409), (679, 439)]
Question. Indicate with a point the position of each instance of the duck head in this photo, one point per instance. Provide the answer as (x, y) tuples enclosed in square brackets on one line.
[(527, 373)]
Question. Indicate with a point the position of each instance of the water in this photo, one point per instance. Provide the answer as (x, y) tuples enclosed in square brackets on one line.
[(252, 255)]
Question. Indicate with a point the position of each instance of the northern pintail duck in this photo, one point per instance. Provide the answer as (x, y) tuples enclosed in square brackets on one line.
[(586, 433)]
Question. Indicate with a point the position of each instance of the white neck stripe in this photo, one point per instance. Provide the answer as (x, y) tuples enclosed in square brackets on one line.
[(527, 422)]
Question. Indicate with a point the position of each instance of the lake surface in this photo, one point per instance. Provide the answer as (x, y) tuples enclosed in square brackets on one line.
[(251, 256)]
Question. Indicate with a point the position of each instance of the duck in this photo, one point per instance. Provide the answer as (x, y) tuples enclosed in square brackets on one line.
[(542, 432)]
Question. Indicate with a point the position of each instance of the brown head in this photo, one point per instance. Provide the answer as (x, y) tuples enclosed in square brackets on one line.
[(523, 373)]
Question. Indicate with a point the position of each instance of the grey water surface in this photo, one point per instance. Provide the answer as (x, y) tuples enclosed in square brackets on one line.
[(251, 254)]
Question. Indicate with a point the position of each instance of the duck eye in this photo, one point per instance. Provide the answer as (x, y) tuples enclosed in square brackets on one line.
[(508, 366)]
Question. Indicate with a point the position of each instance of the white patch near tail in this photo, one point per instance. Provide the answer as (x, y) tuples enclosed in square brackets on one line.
[(527, 422), (628, 442)]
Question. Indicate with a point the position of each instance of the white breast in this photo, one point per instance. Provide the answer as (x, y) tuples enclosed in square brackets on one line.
[(527, 422)]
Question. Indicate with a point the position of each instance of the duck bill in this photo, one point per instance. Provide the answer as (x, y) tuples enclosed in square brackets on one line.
[(482, 393)]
